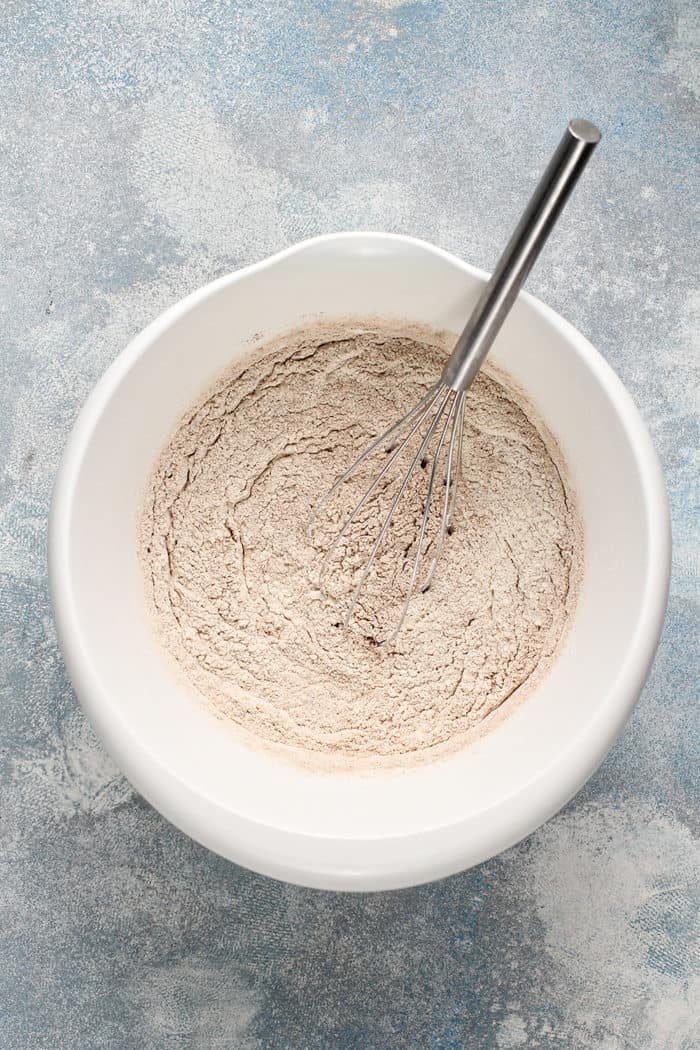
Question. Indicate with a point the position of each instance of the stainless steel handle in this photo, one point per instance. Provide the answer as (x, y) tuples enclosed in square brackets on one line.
[(546, 204)]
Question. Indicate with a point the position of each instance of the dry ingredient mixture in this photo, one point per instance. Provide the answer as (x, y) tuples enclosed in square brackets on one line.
[(232, 568)]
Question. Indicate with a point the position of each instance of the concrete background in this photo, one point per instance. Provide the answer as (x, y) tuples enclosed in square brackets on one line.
[(148, 147)]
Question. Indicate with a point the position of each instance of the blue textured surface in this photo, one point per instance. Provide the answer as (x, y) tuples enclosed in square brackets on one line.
[(150, 147)]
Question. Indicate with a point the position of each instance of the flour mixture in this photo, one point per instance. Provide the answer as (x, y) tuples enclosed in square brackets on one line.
[(231, 570)]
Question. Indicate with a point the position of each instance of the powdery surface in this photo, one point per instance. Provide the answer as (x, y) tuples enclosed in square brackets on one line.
[(233, 568)]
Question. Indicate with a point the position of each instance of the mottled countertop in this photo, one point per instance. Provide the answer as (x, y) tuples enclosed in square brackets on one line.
[(149, 147)]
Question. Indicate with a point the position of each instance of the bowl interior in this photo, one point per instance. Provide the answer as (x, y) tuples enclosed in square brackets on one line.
[(241, 801)]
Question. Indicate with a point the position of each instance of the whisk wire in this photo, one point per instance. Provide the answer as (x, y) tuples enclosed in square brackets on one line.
[(460, 442), (451, 484), (426, 511), (427, 404), (397, 499), (433, 393)]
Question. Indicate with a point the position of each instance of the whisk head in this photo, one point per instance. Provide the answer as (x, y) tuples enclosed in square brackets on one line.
[(430, 435)]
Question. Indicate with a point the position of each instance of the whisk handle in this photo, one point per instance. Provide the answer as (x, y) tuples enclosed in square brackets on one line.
[(538, 220)]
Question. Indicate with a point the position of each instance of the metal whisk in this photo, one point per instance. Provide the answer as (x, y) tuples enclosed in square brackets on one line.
[(441, 411)]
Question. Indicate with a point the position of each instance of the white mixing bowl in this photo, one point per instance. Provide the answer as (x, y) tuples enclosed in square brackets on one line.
[(342, 831)]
